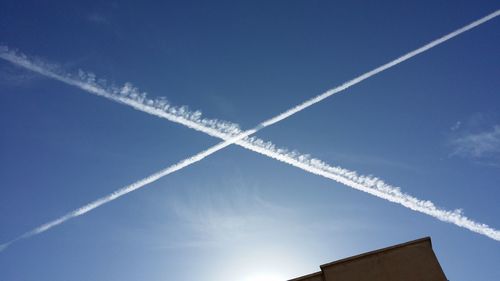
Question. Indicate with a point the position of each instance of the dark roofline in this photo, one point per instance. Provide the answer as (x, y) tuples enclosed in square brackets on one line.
[(307, 276), (425, 239)]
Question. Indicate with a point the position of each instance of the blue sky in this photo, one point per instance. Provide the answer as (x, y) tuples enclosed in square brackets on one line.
[(429, 125)]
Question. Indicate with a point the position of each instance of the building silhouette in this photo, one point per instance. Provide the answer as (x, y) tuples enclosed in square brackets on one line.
[(410, 261)]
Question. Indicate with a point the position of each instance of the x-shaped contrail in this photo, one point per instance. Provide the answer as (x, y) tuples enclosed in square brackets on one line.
[(231, 134)]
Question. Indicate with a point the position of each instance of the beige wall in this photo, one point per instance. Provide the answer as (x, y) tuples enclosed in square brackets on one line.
[(411, 261)]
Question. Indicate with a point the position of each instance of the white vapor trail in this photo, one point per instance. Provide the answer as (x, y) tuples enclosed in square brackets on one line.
[(379, 69), (120, 192), (231, 133)]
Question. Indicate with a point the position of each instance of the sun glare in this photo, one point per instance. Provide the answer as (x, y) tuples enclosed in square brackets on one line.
[(265, 277)]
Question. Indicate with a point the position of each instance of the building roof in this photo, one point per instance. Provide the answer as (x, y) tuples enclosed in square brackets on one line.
[(413, 258)]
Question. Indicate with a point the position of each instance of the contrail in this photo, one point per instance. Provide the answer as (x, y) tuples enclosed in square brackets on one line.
[(371, 185), (119, 193), (231, 134), (379, 69), (160, 107)]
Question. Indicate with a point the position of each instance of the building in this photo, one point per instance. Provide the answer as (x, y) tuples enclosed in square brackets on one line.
[(410, 261)]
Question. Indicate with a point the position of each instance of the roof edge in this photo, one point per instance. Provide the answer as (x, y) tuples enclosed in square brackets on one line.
[(417, 241), (320, 273)]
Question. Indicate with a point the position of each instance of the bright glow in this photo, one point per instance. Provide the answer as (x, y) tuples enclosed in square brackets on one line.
[(265, 277)]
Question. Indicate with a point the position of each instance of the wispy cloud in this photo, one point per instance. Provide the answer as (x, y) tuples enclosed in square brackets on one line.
[(476, 139), (231, 133), (481, 145), (216, 219), (456, 126)]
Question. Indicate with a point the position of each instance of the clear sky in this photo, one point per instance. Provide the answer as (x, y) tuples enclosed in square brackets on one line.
[(430, 125)]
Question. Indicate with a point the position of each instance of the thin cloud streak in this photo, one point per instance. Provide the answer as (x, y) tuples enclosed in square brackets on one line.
[(379, 69), (237, 215), (160, 107), (119, 193), (478, 145), (231, 134)]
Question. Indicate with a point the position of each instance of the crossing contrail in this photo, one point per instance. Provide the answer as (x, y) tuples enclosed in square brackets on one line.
[(231, 133), (160, 107), (368, 184)]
